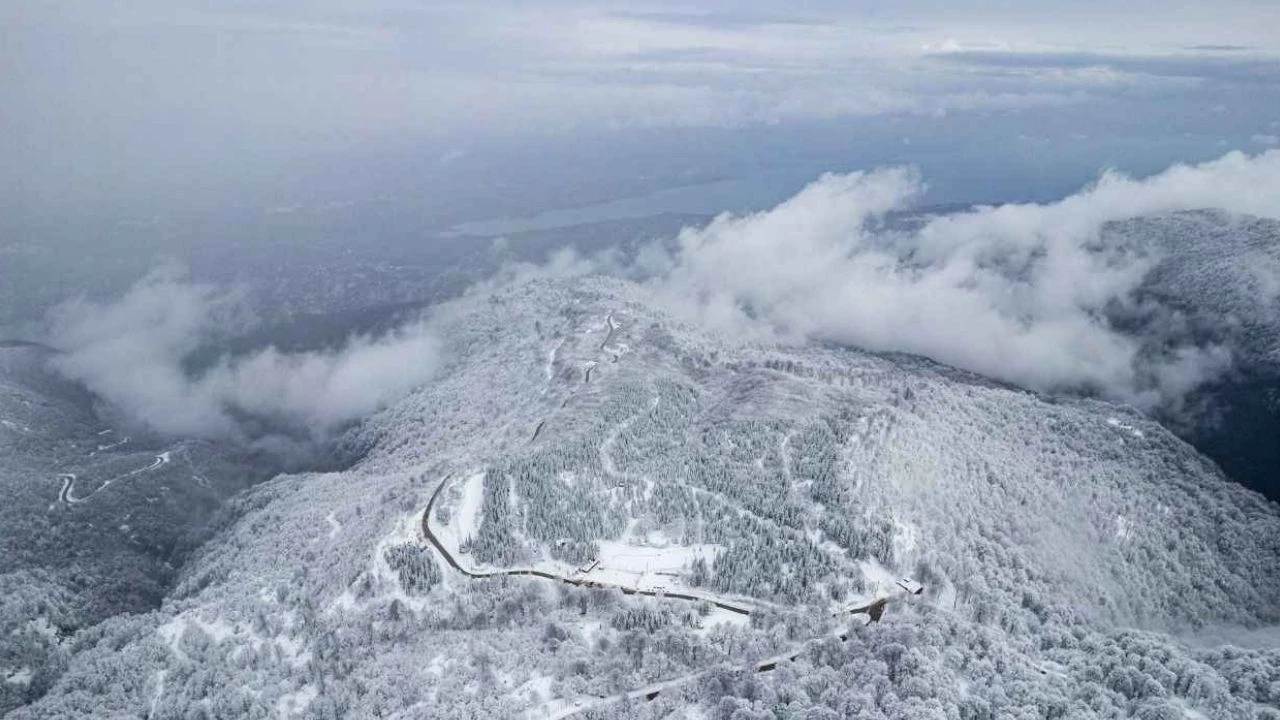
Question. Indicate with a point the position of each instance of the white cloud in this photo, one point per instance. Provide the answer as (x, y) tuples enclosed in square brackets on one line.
[(140, 99), (130, 352), (1020, 292)]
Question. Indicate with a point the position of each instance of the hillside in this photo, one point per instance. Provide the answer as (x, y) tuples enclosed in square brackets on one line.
[(1220, 272), (1074, 555), (96, 519)]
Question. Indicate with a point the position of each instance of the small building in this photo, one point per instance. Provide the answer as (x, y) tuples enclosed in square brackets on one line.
[(911, 586)]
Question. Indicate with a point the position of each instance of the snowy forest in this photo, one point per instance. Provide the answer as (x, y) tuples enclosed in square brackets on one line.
[(1074, 556)]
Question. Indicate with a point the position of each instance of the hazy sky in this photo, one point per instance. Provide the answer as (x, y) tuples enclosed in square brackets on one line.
[(110, 101)]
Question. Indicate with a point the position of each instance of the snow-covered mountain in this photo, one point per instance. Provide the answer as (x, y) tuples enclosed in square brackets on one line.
[(719, 507), (96, 518), (1221, 272)]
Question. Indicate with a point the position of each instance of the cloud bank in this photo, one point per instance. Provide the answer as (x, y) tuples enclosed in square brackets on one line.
[(117, 102), (1028, 293), (130, 353)]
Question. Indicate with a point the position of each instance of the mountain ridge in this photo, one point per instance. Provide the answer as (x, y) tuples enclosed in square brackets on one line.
[(804, 478)]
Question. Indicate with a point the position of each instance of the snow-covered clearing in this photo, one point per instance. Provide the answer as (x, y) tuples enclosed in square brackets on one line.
[(720, 616), (44, 627), (880, 579), (1123, 529), (645, 567), (1115, 423), (535, 691), (904, 538), (159, 693), (548, 370), (464, 520), (648, 563)]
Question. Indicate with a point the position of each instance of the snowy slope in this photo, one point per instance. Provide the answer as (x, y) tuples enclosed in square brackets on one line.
[(1222, 273), (94, 520), (1223, 270), (1064, 547)]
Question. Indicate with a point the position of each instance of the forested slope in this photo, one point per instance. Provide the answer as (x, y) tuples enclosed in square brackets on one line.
[(1074, 554)]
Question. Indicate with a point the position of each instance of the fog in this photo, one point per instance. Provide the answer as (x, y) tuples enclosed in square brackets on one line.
[(139, 131), (1032, 294), (1020, 292), (131, 351)]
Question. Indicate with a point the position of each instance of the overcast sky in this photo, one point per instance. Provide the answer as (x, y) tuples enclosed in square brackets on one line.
[(111, 100)]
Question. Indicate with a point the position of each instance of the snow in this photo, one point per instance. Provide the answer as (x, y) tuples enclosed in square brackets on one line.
[(946, 597), (879, 578), (334, 526), (468, 515), (155, 697), (292, 651), (1122, 528), (1188, 712), (113, 445), (464, 521), (649, 562), (438, 665), (904, 538), (910, 586), (295, 703), (407, 530), (217, 629), (171, 632), (564, 707), (720, 616), (590, 630), (69, 479), (21, 676), (606, 447), (646, 567), (549, 369), (537, 689), (923, 475), (44, 627), (221, 630), (1115, 423)]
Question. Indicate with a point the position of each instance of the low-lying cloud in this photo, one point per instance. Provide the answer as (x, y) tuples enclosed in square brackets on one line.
[(1026, 293), (131, 353), (1040, 295)]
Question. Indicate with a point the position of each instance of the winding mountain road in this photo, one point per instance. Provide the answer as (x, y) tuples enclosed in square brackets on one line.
[(612, 329), (65, 493), (873, 609), (530, 572), (651, 691)]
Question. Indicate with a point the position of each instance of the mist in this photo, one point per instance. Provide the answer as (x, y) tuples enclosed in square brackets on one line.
[(129, 111), (1026, 293), (130, 352), (1038, 295)]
